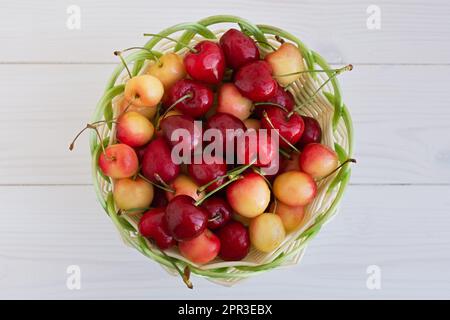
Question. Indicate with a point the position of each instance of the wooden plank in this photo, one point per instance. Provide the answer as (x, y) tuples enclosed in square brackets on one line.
[(413, 32), (401, 229), (400, 113)]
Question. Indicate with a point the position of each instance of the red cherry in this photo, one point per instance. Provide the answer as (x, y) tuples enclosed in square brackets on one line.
[(235, 241), (290, 129), (201, 99), (159, 198), (177, 122), (254, 81), (281, 97), (219, 212), (238, 48), (207, 64), (153, 225), (255, 146), (312, 132), (157, 159), (222, 122), (208, 170), (185, 221)]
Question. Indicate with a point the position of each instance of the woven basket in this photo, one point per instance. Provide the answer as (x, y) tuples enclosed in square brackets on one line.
[(327, 107)]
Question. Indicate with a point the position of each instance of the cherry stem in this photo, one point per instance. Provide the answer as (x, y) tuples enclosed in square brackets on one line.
[(277, 131), (155, 184), (215, 218), (92, 126), (158, 177), (173, 105), (152, 54), (234, 172), (200, 201), (348, 67), (134, 210), (171, 39), (284, 153), (339, 167), (311, 98), (271, 104), (279, 39), (267, 44), (119, 54)]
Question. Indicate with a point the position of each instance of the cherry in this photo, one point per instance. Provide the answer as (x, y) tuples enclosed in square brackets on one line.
[(198, 97), (255, 147), (254, 81), (118, 161), (289, 129), (206, 62), (312, 132), (159, 198), (185, 221), (282, 97), (235, 241), (208, 170), (153, 225), (318, 160), (157, 161), (238, 48), (219, 212), (222, 122), (202, 249), (176, 122)]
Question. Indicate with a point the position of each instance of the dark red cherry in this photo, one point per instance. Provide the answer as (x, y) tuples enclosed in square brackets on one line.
[(201, 100), (238, 48), (207, 64), (312, 132), (219, 212), (140, 151), (157, 159), (153, 225), (181, 129), (210, 168), (185, 221), (282, 97), (258, 145), (290, 129), (254, 81), (159, 198), (223, 122), (235, 241)]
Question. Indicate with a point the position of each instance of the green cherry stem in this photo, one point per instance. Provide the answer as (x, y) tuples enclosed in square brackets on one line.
[(311, 98), (347, 68), (270, 104), (119, 54), (173, 105), (92, 126), (282, 138), (200, 201), (171, 39), (284, 153), (165, 188), (339, 167)]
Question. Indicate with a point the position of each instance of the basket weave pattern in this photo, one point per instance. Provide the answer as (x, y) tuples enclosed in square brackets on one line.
[(327, 107)]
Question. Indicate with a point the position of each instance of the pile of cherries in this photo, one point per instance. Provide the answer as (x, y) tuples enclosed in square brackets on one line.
[(211, 208)]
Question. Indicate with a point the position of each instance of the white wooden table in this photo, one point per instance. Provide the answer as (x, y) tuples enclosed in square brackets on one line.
[(395, 214)]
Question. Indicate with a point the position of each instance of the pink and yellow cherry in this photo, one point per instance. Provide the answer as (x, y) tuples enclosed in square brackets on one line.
[(132, 194), (184, 185), (318, 160), (153, 225), (285, 60), (249, 196), (157, 162), (171, 126), (231, 101), (168, 69), (219, 212), (312, 132), (267, 232), (290, 128), (235, 241), (206, 62), (251, 123), (201, 249), (238, 48), (144, 91), (255, 82), (207, 170), (118, 161), (126, 106), (134, 129), (185, 221), (294, 188), (291, 216), (191, 97)]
